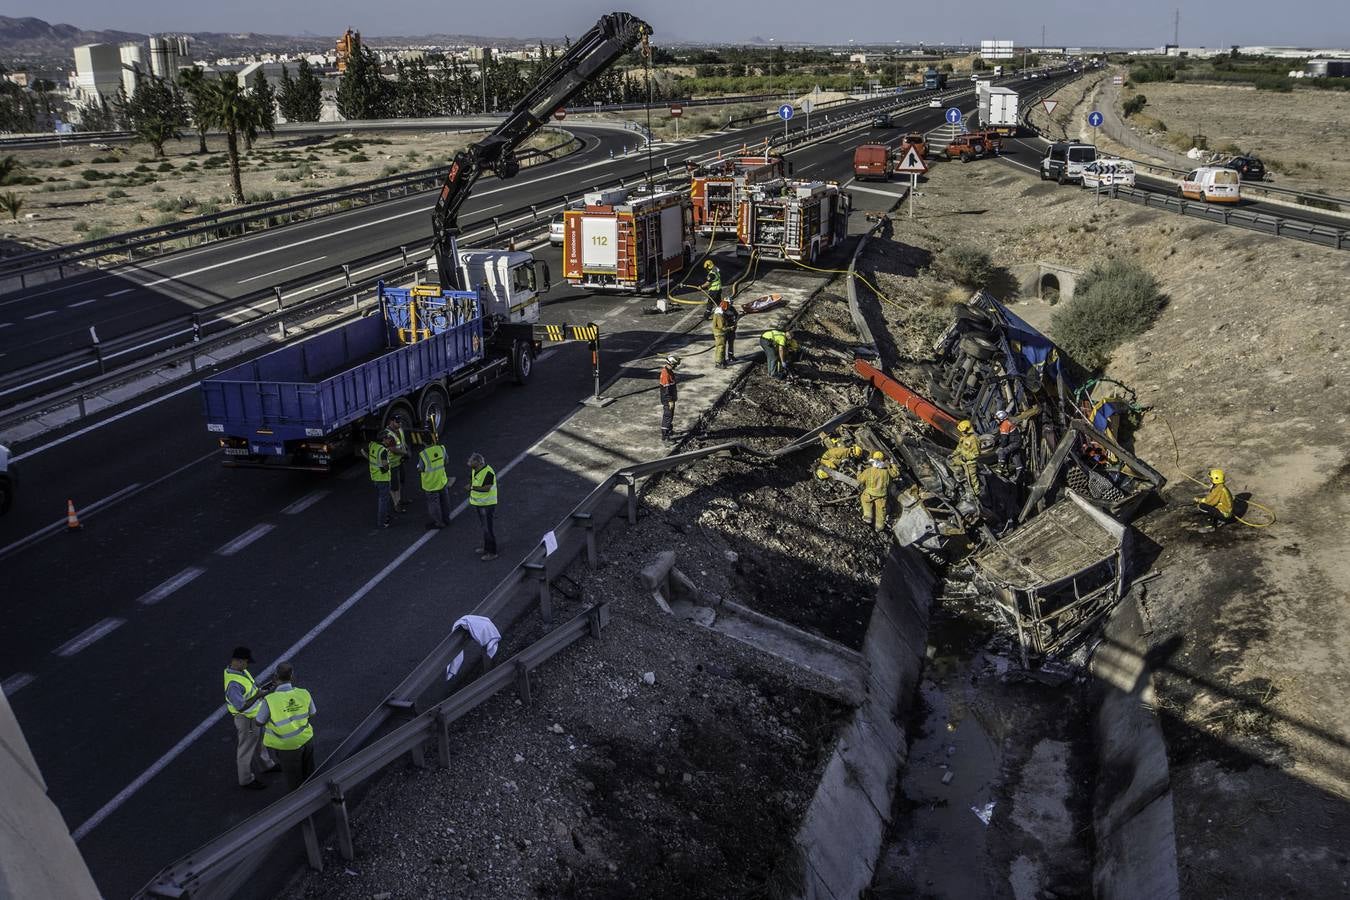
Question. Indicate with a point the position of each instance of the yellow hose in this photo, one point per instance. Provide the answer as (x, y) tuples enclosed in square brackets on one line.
[(1176, 455)]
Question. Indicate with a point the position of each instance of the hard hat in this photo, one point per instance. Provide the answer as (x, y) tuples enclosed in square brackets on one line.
[(1216, 476), (822, 474), (877, 454), (964, 426), (857, 452), (707, 264), (1001, 415), (672, 360)]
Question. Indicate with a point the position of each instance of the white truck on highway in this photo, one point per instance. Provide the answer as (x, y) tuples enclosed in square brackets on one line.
[(998, 109)]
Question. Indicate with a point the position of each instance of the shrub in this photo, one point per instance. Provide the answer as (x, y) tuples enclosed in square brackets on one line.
[(389, 170), (190, 166), (104, 159), (341, 172), (1114, 302), (79, 185), (116, 194), (80, 227), (967, 265), (165, 166), (208, 207), (97, 232), (358, 158), (1134, 105), (66, 163), (156, 189), (167, 218), (141, 169), (91, 174)]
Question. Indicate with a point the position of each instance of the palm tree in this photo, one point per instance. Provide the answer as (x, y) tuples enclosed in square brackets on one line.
[(11, 203), (193, 82), (232, 110)]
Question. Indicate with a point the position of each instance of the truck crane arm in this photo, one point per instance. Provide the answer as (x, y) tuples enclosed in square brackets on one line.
[(613, 36)]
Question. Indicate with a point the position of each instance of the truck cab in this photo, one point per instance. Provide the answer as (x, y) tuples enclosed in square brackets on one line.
[(509, 282)]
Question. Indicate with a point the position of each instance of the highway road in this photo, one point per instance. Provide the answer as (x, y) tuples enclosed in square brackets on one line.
[(116, 635)]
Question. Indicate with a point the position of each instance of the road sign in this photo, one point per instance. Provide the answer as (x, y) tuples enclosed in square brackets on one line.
[(1117, 79), (911, 164), (785, 111), (676, 110), (560, 114), (807, 106), (1094, 119), (1049, 105), (953, 116)]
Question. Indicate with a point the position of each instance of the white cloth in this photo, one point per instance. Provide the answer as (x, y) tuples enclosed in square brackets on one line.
[(481, 629)]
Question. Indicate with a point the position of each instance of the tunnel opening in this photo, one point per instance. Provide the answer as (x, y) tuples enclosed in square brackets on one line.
[(1049, 288)]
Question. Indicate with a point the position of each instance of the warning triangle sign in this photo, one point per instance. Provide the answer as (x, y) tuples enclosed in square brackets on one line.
[(911, 164), (1049, 105)]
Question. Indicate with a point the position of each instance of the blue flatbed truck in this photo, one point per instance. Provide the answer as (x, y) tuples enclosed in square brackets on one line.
[(310, 404)]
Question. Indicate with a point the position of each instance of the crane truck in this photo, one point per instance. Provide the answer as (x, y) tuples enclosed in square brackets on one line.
[(308, 404)]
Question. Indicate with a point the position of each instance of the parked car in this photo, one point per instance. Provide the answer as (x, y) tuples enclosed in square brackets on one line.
[(916, 140), (882, 121), (1108, 172), (965, 147), (1064, 161), (6, 481), (555, 230), (993, 141), (1249, 167), (871, 161), (1212, 184)]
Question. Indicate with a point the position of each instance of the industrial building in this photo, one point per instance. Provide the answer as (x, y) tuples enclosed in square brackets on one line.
[(996, 49), (98, 71), (132, 56), (1328, 68), (168, 54)]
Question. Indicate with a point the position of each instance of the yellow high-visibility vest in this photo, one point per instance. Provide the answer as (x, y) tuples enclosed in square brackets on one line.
[(287, 726), (378, 456), (433, 468), (250, 688), (479, 495)]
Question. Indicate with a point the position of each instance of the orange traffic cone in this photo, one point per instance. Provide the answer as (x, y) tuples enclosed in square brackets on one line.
[(72, 520)]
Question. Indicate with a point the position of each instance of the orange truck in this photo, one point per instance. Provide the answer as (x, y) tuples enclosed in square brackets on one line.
[(872, 161), (715, 188), (627, 242), (791, 219)]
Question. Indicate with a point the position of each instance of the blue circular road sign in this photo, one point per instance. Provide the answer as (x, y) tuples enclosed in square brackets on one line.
[(954, 116), (785, 111), (1094, 118)]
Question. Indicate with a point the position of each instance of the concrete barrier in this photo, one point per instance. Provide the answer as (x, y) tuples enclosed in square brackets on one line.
[(844, 827), (1132, 800)]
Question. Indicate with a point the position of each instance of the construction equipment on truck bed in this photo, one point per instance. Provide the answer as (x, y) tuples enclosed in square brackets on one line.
[(716, 188), (627, 241), (790, 219)]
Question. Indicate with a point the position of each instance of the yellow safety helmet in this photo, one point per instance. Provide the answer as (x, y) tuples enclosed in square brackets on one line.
[(964, 427), (1216, 476), (857, 451), (707, 264), (822, 474), (877, 454)]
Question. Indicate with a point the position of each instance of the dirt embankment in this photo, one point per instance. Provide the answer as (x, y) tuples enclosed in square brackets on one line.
[(1248, 367), (85, 192), (693, 785), (1300, 135)]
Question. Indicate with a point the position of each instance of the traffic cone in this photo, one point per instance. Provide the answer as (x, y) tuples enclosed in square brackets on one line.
[(72, 520)]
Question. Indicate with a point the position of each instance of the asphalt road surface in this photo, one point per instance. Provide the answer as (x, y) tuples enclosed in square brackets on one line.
[(116, 635)]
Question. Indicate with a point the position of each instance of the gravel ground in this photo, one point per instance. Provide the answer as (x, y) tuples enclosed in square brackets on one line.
[(689, 786), (87, 192), (1246, 369)]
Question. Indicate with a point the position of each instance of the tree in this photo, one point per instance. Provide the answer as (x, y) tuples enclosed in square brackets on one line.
[(194, 84), (97, 115), (11, 203), (264, 106), (155, 113), (231, 110), (362, 93), (10, 167), (415, 98), (18, 112), (300, 99)]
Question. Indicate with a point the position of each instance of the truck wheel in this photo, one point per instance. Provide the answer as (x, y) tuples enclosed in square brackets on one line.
[(978, 347), (433, 408), (522, 362), (1044, 177)]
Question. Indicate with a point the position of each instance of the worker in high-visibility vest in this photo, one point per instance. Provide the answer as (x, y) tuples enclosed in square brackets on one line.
[(670, 392), (483, 499), (712, 286), (779, 351), (378, 455), (285, 716), (435, 483), (242, 697)]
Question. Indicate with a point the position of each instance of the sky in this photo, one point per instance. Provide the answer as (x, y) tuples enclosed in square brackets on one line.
[(1124, 23)]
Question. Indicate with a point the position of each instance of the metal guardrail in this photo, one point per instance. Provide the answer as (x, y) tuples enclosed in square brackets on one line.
[(213, 869), (1336, 238), (236, 221)]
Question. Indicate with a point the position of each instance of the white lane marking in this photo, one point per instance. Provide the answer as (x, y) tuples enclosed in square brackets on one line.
[(15, 683), (868, 190), (49, 312), (61, 522), (282, 269), (5, 324), (88, 636), (82, 303), (184, 577), (306, 502), (245, 539), (88, 428), (120, 293), (206, 724), (611, 314), (1016, 163)]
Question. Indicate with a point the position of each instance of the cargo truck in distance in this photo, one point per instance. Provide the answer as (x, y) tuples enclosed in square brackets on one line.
[(933, 80), (789, 219), (627, 242), (998, 109)]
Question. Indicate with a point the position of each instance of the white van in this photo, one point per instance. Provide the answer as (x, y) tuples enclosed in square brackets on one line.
[(1064, 161), (1212, 184), (1108, 172)]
